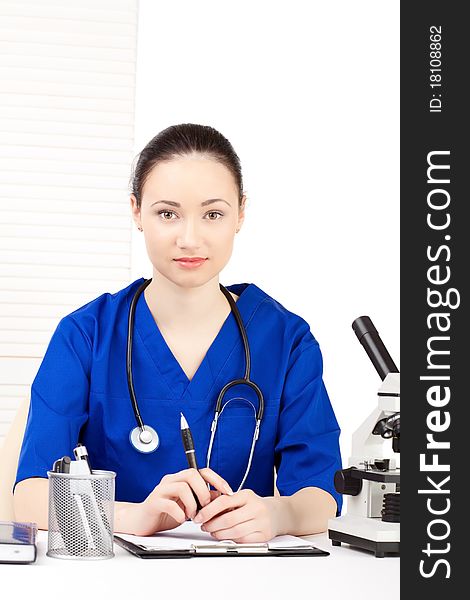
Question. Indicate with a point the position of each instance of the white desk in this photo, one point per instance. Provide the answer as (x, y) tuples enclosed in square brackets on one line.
[(337, 576)]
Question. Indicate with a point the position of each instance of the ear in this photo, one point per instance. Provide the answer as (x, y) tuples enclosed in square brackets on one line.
[(241, 213), (135, 211)]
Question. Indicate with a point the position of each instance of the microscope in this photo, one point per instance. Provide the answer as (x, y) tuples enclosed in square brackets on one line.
[(372, 481)]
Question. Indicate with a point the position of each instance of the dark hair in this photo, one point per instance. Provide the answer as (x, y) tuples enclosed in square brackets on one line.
[(181, 140)]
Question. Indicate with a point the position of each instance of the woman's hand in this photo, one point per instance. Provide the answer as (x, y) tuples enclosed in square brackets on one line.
[(242, 517), (172, 501)]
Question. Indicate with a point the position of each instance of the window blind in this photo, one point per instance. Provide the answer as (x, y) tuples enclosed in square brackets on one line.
[(66, 148)]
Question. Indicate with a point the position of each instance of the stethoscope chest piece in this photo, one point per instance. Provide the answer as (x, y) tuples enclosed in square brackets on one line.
[(144, 440)]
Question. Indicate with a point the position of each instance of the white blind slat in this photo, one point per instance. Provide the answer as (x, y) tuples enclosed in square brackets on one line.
[(14, 392), (124, 105), (24, 336), (127, 6), (65, 140), (92, 207), (64, 75), (23, 350), (92, 288), (52, 88), (17, 124), (73, 299), (72, 38), (65, 233), (20, 324), (69, 23), (44, 48), (90, 117), (18, 372), (53, 258), (21, 218), (47, 10), (54, 311), (109, 277), (69, 63), (72, 246), (107, 156)]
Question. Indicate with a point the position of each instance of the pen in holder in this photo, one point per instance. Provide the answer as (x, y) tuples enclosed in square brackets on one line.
[(81, 515)]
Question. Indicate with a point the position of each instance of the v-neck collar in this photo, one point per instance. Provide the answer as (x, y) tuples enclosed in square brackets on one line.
[(170, 370)]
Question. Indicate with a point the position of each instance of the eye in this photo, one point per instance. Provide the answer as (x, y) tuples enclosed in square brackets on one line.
[(215, 212), (166, 212)]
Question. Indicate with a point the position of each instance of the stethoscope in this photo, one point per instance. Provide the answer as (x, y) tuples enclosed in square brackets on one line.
[(143, 437)]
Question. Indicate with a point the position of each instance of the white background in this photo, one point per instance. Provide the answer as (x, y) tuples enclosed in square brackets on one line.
[(308, 94)]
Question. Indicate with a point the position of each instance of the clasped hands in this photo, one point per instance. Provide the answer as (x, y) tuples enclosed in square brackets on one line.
[(242, 516)]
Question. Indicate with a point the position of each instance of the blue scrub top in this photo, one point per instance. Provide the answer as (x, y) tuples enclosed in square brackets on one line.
[(80, 394)]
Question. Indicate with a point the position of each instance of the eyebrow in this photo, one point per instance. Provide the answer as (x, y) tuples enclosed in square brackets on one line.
[(178, 205)]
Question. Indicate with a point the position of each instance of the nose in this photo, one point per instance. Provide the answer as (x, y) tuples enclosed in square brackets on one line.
[(188, 235)]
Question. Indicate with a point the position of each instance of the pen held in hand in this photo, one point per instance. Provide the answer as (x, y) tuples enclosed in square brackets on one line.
[(188, 445)]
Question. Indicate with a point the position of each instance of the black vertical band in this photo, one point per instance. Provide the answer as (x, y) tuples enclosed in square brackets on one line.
[(434, 292)]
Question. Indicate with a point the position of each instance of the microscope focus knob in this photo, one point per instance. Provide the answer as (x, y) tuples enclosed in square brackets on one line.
[(346, 484)]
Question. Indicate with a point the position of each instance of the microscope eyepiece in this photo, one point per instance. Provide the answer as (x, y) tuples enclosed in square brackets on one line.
[(369, 337)]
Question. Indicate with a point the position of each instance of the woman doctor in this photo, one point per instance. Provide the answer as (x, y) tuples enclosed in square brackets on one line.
[(187, 199)]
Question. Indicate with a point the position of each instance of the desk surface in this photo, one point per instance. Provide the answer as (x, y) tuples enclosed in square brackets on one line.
[(276, 578)]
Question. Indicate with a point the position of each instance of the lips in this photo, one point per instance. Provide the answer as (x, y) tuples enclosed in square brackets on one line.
[(194, 259), (190, 263)]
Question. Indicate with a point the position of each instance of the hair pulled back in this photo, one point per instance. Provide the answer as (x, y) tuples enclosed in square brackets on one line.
[(181, 140)]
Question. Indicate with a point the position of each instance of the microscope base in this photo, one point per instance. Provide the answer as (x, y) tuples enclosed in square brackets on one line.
[(379, 537)]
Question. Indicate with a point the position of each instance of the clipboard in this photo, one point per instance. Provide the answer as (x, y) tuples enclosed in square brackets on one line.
[(219, 550)]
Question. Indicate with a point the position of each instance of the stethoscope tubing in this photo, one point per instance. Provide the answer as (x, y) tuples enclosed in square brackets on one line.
[(245, 380), (130, 339)]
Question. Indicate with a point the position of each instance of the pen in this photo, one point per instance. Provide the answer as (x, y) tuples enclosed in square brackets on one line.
[(62, 465), (73, 542), (189, 450), (81, 453), (86, 524), (96, 513)]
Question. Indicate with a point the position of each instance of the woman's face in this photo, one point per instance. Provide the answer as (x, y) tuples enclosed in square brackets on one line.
[(189, 209)]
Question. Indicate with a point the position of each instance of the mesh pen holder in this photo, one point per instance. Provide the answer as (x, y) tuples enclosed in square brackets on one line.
[(81, 515)]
